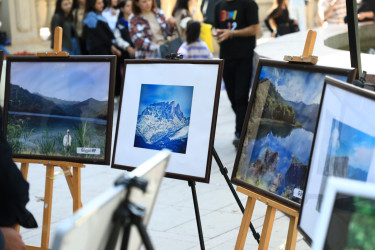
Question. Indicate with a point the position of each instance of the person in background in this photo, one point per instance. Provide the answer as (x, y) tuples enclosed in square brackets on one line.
[(180, 12), (121, 32), (111, 13), (278, 21), (193, 47), (98, 35), (149, 28), (14, 195), (332, 11), (63, 18), (297, 11), (78, 12), (366, 11), (123, 40), (237, 23)]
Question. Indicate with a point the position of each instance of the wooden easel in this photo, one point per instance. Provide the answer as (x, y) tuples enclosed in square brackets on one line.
[(73, 178), (307, 56), (74, 182), (272, 205), (268, 221)]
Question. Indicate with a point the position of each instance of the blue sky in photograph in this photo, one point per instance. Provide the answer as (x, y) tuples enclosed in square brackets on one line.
[(348, 141), (153, 93), (296, 85), (70, 81)]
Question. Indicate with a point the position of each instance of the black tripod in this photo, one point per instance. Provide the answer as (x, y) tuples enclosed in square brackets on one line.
[(128, 214), (224, 172)]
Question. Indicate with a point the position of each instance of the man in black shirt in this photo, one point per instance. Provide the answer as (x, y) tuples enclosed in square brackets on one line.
[(236, 23)]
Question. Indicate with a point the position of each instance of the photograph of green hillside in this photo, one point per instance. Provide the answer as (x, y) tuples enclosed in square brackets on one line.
[(58, 109), (280, 128)]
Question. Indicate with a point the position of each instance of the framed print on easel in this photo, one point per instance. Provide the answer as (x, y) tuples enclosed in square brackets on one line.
[(60, 108), (275, 144), (169, 104), (344, 146), (348, 216)]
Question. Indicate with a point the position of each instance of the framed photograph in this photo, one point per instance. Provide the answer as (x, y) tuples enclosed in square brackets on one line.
[(169, 104), (60, 108), (344, 146), (347, 220), (276, 138)]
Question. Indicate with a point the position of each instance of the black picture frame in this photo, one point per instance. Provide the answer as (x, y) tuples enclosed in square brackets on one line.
[(267, 174), (200, 75), (90, 80), (349, 128)]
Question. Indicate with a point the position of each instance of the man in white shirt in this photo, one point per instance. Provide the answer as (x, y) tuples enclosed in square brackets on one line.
[(67, 141)]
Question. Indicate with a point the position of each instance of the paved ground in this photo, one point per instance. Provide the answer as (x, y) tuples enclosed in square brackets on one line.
[(173, 224)]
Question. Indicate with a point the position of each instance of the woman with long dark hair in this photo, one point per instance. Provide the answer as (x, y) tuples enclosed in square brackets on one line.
[(63, 18), (111, 13), (148, 28), (98, 35), (278, 21)]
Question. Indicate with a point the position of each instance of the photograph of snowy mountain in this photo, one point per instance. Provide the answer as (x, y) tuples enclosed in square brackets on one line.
[(59, 109), (280, 131), (164, 117)]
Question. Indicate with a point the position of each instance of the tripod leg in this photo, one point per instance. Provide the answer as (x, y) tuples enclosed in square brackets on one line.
[(224, 172), (126, 234), (144, 235), (197, 215)]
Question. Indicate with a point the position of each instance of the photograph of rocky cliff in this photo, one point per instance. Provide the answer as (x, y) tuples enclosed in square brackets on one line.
[(349, 155), (164, 117), (280, 130), (58, 109)]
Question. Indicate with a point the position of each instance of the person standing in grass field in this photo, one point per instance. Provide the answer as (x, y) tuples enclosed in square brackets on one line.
[(67, 141)]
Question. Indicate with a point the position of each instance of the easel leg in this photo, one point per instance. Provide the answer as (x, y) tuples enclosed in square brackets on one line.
[(292, 233), (246, 220), (267, 228), (47, 206), (224, 172), (74, 185), (77, 204), (197, 215), (24, 171)]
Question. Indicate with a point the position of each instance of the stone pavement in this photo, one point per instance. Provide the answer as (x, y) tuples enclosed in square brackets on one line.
[(173, 225)]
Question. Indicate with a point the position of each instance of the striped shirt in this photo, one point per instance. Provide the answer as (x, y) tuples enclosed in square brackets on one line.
[(338, 12), (195, 50)]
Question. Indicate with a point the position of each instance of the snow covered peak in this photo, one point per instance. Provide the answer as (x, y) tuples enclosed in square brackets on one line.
[(159, 120)]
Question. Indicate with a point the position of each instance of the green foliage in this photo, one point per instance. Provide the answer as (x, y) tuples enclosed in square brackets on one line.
[(47, 143), (362, 225), (275, 107), (82, 136), (17, 130)]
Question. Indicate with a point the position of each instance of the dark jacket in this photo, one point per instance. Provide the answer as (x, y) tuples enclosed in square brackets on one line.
[(14, 189), (69, 30), (98, 35)]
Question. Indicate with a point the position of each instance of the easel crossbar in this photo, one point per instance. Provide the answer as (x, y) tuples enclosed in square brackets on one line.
[(52, 163), (269, 202)]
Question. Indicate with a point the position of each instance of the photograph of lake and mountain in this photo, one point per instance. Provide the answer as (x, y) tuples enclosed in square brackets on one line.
[(350, 153), (58, 109), (164, 117), (280, 130)]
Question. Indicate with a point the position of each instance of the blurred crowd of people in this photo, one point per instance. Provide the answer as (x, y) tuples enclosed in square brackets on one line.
[(288, 17), (126, 28)]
